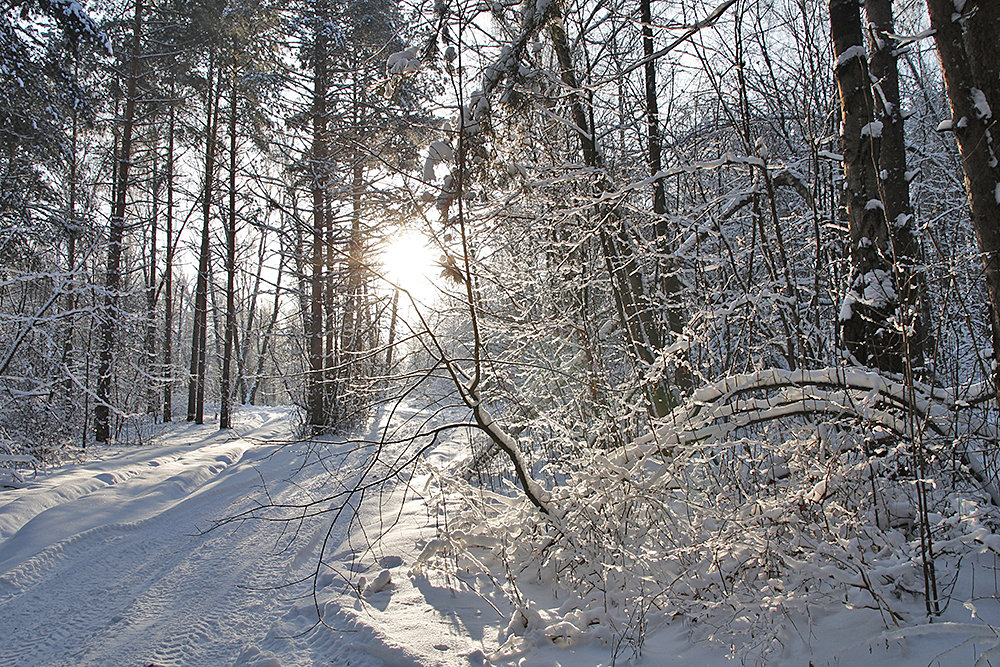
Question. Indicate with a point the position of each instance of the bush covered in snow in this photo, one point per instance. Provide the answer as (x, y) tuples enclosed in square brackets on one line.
[(762, 509)]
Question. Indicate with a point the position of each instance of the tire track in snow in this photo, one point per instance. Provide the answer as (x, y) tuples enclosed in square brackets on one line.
[(151, 590), (20, 578)]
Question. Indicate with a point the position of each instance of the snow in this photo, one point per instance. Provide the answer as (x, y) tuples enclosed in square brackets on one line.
[(441, 151), (115, 550), (872, 129), (982, 107), (403, 62), (856, 51)]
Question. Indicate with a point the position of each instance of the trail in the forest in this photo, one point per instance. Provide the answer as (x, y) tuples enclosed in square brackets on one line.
[(106, 562)]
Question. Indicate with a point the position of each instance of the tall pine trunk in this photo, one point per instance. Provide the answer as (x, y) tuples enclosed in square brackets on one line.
[(73, 231), (225, 408), (196, 387), (149, 341), (168, 269), (112, 284), (314, 329)]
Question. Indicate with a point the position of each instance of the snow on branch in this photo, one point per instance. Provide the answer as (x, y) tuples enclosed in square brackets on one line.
[(77, 22), (716, 411)]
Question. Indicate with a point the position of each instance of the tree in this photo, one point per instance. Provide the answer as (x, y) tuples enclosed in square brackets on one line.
[(966, 41), (872, 302), (112, 282), (894, 181), (316, 412)]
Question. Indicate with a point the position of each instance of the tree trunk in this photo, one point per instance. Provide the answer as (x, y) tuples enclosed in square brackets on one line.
[(971, 65), (199, 337), (392, 332), (262, 353), (73, 230), (871, 303), (168, 270), (243, 353), (225, 407), (149, 342), (109, 321), (635, 311), (669, 281), (351, 345), (314, 330), (895, 181)]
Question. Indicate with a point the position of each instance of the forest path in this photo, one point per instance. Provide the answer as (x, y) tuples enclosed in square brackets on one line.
[(108, 563)]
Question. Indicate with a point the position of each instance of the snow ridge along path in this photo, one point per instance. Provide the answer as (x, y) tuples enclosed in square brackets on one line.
[(105, 563)]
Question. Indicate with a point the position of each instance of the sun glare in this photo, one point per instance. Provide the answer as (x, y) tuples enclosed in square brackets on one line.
[(409, 263)]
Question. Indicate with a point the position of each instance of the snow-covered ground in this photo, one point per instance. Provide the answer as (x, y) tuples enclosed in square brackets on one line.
[(111, 562), (107, 562)]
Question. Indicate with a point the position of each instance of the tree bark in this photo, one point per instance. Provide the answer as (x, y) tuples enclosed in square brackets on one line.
[(149, 343), (112, 284), (73, 230), (970, 60), (225, 406), (262, 353), (199, 338), (669, 281), (314, 330), (635, 311), (168, 269), (895, 184), (871, 304)]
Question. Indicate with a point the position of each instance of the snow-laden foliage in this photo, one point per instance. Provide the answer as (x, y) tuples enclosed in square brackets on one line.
[(771, 501)]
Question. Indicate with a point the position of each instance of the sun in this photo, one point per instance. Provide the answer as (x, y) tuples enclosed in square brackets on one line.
[(408, 262)]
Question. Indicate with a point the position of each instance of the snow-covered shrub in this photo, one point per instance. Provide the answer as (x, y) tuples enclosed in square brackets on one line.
[(768, 498)]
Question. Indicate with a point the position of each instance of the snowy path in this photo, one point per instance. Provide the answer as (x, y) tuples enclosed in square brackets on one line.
[(107, 563), (103, 564)]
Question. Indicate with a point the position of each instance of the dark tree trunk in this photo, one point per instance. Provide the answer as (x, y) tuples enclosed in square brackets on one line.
[(868, 330), (109, 320), (654, 142), (199, 338), (243, 350), (168, 269), (971, 64), (262, 353), (350, 347), (669, 281), (149, 342), (392, 332), (635, 311), (894, 180), (72, 230), (225, 407), (314, 330)]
